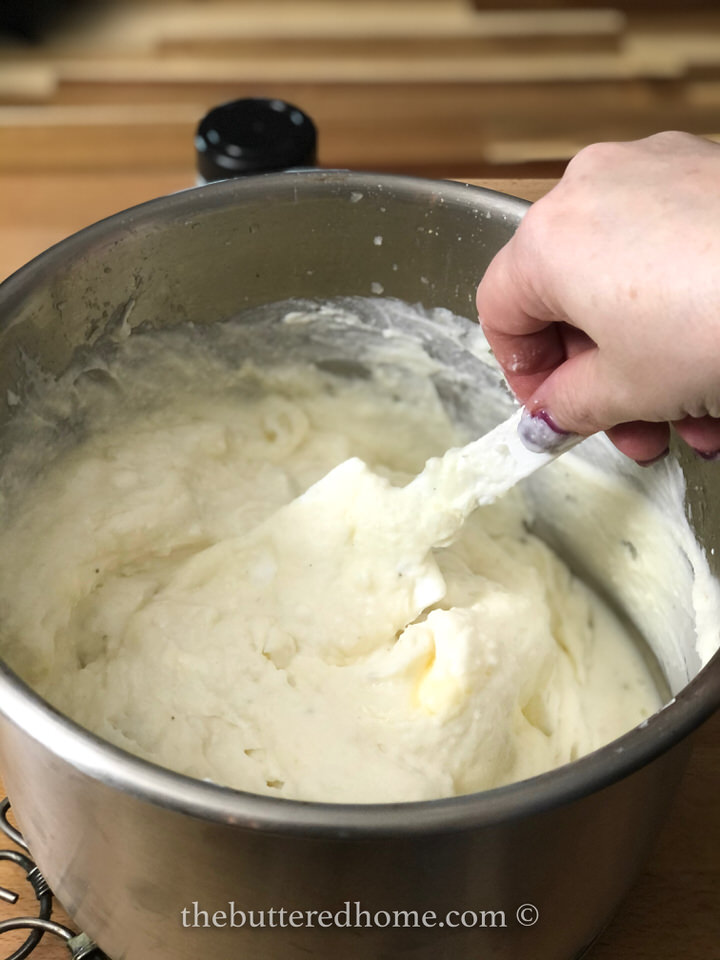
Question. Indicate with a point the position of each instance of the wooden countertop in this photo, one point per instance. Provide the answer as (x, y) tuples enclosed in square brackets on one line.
[(673, 912)]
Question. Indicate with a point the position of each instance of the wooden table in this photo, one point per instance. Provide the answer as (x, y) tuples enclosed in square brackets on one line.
[(673, 912)]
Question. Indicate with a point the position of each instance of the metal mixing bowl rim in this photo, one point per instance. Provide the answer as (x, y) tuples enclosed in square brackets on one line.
[(116, 768)]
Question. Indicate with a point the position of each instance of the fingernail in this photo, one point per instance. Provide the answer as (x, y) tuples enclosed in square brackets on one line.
[(539, 432), (708, 454), (652, 460)]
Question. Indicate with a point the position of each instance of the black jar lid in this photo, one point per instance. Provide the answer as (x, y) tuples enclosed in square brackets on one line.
[(254, 135)]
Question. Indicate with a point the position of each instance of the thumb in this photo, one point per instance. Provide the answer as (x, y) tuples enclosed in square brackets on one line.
[(579, 397)]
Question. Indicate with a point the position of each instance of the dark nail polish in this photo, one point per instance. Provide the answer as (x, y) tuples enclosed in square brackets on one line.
[(652, 460), (539, 432), (708, 454)]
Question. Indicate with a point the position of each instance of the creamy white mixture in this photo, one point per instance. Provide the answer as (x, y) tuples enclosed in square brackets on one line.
[(127, 599)]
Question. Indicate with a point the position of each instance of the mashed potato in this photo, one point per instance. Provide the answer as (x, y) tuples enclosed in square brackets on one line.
[(119, 598)]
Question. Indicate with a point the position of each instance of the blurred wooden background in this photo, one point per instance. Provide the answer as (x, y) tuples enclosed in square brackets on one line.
[(438, 87)]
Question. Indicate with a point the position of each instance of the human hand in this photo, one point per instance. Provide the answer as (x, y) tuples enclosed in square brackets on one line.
[(604, 308)]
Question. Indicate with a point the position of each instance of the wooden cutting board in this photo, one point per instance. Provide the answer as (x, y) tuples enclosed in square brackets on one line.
[(673, 912)]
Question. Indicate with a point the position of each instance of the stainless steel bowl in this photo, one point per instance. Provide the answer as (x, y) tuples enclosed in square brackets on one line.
[(127, 845)]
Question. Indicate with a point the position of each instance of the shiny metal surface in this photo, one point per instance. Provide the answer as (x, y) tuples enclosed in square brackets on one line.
[(126, 845)]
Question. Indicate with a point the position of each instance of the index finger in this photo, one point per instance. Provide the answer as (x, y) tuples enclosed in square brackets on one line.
[(526, 342)]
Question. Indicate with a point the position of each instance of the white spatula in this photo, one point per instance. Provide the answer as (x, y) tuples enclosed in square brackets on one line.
[(349, 563)]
